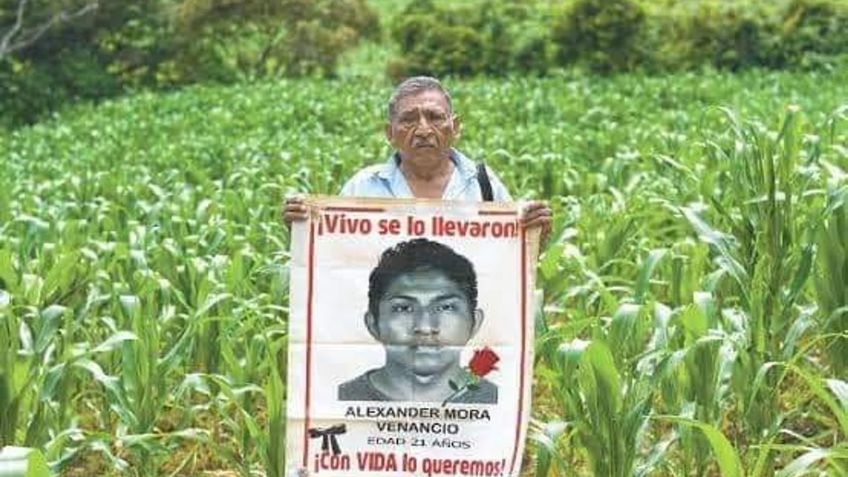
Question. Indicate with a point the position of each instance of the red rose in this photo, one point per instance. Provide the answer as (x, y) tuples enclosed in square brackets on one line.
[(483, 362)]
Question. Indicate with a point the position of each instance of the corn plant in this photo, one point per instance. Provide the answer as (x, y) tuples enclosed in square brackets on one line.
[(139, 395), (831, 281), (766, 254), (695, 359), (143, 287), (40, 350)]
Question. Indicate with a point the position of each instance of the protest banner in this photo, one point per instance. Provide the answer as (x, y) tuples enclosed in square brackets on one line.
[(410, 339)]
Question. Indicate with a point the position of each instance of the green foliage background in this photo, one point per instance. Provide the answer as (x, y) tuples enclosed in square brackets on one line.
[(493, 37), (165, 44)]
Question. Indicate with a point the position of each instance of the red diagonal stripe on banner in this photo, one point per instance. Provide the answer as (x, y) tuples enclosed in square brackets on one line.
[(523, 344), (310, 272)]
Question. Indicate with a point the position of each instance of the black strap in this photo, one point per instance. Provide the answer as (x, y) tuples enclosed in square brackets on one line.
[(485, 184)]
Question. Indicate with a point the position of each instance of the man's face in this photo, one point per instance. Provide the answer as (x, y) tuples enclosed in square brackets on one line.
[(424, 321), (423, 126)]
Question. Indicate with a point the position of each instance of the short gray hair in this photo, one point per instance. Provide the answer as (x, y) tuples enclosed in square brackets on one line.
[(413, 86)]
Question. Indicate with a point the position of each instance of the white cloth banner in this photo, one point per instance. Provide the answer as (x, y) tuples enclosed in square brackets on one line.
[(410, 339)]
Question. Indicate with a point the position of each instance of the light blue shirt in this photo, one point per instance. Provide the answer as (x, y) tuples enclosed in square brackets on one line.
[(387, 180)]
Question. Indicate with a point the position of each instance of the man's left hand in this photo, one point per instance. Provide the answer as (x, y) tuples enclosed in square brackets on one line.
[(537, 214)]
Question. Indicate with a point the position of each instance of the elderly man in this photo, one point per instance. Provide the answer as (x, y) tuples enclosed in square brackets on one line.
[(422, 129)]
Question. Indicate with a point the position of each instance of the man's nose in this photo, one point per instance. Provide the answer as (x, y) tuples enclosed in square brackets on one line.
[(426, 323), (423, 123)]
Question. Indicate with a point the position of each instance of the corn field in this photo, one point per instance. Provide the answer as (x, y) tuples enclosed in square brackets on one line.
[(695, 319)]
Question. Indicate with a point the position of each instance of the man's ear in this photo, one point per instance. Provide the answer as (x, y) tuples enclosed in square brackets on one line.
[(371, 324), (478, 322), (388, 132), (456, 125)]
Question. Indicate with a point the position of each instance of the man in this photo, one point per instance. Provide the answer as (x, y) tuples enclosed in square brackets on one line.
[(422, 307), (422, 129)]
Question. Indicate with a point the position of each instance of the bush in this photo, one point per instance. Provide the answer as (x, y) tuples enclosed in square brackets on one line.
[(68, 63), (724, 36), (165, 44), (608, 36), (801, 34), (600, 34), (272, 38), (812, 33), (433, 47), (489, 37)]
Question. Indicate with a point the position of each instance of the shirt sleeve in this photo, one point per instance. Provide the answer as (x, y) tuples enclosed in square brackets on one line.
[(349, 188), (356, 186), (363, 183)]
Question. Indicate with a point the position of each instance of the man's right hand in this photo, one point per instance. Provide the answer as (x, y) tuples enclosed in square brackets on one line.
[(295, 209)]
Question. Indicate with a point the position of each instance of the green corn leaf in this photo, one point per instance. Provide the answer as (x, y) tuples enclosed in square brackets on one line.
[(549, 262), (546, 438), (726, 455), (50, 320), (114, 342), (840, 389), (275, 399), (62, 273), (8, 275), (816, 386), (643, 281), (570, 354), (802, 464), (602, 380), (22, 462)]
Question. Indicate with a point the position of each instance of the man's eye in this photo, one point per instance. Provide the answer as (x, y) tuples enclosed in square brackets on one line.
[(401, 308), (445, 307)]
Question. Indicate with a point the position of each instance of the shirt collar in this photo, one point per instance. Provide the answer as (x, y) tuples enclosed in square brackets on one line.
[(465, 166), (464, 173)]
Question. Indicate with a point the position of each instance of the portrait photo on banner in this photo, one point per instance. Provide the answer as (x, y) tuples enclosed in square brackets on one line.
[(423, 310), (409, 336)]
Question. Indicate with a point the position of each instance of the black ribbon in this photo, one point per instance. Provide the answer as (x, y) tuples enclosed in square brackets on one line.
[(328, 437)]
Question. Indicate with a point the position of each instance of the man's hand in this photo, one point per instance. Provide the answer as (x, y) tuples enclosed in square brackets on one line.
[(537, 214), (294, 210)]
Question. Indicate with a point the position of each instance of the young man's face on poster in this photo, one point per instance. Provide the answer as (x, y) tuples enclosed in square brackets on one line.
[(424, 318)]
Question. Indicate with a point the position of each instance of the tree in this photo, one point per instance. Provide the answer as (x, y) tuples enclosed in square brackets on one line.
[(23, 31)]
